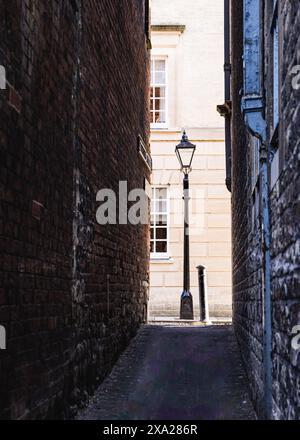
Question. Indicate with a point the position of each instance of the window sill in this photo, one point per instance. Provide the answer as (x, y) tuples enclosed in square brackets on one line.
[(161, 260), (159, 127)]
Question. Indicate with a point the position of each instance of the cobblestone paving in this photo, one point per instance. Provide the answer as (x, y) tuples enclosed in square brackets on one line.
[(175, 372)]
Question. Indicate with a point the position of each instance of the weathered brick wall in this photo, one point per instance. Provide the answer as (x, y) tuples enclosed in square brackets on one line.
[(246, 241), (285, 237), (72, 292), (285, 223)]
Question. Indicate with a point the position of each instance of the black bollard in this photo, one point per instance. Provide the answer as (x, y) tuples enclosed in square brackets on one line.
[(203, 297)]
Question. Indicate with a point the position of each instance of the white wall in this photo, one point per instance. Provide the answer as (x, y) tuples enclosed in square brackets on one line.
[(200, 58), (195, 87)]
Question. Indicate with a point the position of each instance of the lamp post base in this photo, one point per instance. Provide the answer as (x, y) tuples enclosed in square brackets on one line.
[(186, 306)]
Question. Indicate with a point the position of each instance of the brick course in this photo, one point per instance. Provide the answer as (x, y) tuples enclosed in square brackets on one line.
[(72, 292)]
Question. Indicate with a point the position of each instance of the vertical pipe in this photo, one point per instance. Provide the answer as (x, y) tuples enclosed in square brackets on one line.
[(227, 87), (253, 110), (227, 65), (266, 283)]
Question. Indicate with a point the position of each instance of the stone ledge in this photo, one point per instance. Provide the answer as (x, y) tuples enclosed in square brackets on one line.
[(168, 28)]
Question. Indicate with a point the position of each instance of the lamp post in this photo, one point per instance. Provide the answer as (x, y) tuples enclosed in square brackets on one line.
[(185, 153)]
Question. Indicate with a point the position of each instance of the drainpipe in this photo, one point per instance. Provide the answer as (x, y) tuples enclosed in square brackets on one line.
[(225, 109), (253, 110), (227, 79)]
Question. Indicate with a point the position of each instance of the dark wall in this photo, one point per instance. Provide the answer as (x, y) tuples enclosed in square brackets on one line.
[(285, 224), (72, 292), (247, 261), (284, 213)]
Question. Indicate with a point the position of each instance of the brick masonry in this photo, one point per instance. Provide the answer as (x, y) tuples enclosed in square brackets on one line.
[(285, 223), (284, 211), (72, 292)]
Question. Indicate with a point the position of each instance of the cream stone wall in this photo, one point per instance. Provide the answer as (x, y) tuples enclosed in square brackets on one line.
[(195, 87)]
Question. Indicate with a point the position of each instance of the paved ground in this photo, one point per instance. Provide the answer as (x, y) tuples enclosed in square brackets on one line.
[(175, 372)]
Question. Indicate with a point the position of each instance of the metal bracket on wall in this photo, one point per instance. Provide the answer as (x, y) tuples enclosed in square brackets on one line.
[(146, 157)]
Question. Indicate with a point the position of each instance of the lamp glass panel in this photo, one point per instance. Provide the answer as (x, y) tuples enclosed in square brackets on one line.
[(186, 155)]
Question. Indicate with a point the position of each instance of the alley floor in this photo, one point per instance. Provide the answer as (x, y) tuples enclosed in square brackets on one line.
[(175, 372)]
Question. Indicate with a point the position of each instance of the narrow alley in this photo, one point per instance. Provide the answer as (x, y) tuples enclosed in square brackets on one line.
[(149, 210), (175, 372)]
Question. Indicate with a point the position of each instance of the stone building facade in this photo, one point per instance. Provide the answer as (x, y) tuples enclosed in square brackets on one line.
[(72, 292), (265, 199), (187, 84)]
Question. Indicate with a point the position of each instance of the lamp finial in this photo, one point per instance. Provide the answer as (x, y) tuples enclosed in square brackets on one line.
[(184, 136)]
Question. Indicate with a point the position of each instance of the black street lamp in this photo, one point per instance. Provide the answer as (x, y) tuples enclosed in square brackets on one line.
[(185, 152)]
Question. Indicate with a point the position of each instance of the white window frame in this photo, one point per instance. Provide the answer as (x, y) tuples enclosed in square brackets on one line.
[(162, 255), (161, 125)]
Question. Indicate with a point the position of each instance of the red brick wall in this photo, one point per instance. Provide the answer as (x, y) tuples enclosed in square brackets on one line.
[(72, 292)]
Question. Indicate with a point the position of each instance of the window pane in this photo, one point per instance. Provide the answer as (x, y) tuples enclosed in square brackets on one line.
[(152, 71), (161, 246), (160, 77), (153, 206), (160, 92), (160, 105), (161, 193), (161, 220), (157, 117), (151, 104), (160, 65), (161, 206), (161, 233), (157, 104), (160, 117)]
